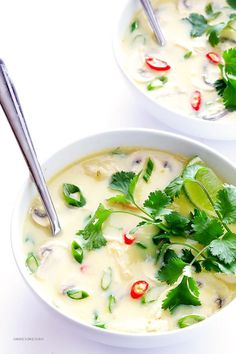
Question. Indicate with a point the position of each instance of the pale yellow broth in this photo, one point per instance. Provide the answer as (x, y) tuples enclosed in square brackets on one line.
[(58, 270), (185, 75)]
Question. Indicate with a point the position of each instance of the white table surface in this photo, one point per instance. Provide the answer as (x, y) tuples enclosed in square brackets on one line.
[(59, 55)]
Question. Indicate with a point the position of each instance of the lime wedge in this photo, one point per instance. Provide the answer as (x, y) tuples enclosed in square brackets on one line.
[(209, 180)]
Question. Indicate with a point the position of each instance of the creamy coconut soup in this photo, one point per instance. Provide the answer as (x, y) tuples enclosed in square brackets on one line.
[(194, 73), (147, 241)]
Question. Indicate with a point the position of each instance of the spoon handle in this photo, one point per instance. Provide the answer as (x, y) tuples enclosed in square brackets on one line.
[(153, 21), (12, 109)]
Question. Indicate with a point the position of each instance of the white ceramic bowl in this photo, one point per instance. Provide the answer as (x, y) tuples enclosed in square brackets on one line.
[(220, 130), (130, 137)]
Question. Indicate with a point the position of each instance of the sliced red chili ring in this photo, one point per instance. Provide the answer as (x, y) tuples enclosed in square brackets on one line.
[(129, 238), (213, 57), (138, 289), (196, 100), (157, 64)]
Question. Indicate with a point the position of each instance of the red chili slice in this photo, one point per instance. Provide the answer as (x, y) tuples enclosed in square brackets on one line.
[(213, 57), (156, 64), (196, 100), (129, 239), (138, 289)]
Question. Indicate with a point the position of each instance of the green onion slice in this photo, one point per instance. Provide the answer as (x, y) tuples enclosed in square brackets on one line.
[(106, 279), (111, 302), (32, 262), (148, 170), (150, 296), (134, 26), (68, 191), (100, 325), (141, 245), (189, 320), (77, 252), (77, 294)]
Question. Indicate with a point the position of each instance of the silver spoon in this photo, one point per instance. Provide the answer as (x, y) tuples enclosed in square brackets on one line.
[(153, 21), (12, 109)]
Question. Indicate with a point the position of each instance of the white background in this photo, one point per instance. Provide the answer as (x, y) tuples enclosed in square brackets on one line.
[(60, 58)]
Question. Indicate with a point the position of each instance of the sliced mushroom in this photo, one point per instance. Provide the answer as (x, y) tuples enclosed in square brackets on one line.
[(183, 5), (39, 215), (220, 302), (210, 74)]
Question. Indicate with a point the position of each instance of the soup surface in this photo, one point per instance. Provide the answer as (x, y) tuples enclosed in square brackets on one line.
[(182, 75), (111, 275)]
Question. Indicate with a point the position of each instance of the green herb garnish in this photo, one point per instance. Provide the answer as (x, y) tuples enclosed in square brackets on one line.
[(148, 170), (200, 26), (92, 233), (157, 83), (189, 320), (134, 26), (188, 55), (77, 252), (32, 262), (106, 279), (77, 294), (111, 303), (68, 191), (141, 245), (232, 3), (226, 86)]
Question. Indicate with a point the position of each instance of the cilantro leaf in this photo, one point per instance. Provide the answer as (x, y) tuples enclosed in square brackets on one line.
[(174, 188), (92, 232), (220, 86), (187, 257), (229, 97), (177, 224), (172, 270), (186, 293), (206, 229), (198, 23), (119, 199), (230, 61), (225, 248), (226, 203), (148, 170), (120, 181), (156, 202), (232, 3), (214, 33), (212, 15)]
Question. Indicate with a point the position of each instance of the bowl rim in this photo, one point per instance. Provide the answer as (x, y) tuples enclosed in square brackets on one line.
[(15, 230), (116, 41)]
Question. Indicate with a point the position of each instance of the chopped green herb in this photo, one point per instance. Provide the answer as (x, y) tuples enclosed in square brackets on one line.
[(172, 270), (68, 191), (232, 3), (226, 203), (224, 248), (157, 83), (188, 55), (134, 26), (212, 14), (206, 229), (111, 302), (189, 320), (77, 252), (150, 296), (32, 262), (148, 171), (156, 202), (106, 279), (100, 325), (200, 26), (77, 294), (186, 293), (92, 233), (141, 245)]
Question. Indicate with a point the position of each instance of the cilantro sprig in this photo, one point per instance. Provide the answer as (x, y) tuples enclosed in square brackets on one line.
[(201, 25), (226, 85), (207, 240)]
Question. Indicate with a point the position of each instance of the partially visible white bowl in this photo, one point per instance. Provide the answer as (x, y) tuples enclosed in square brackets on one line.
[(133, 138), (220, 130)]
